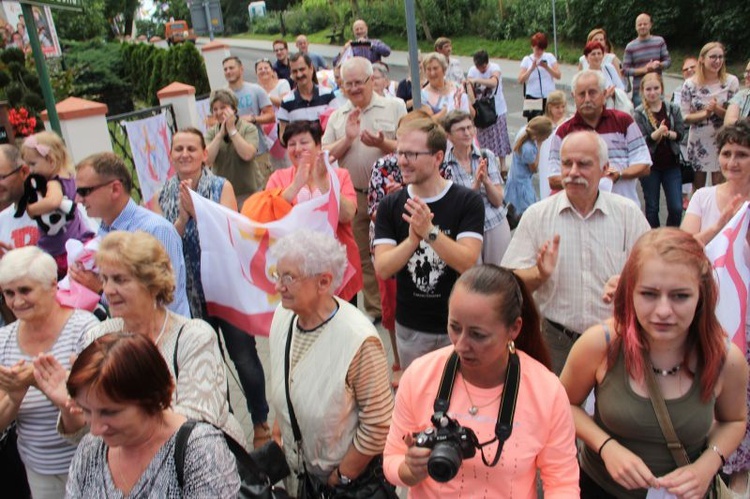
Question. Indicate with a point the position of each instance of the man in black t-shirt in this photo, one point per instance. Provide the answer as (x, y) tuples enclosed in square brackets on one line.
[(426, 234)]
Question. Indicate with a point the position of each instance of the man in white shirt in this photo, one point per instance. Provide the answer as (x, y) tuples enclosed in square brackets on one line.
[(568, 246)]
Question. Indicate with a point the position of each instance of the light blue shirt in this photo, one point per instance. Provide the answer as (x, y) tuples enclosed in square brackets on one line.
[(133, 218)]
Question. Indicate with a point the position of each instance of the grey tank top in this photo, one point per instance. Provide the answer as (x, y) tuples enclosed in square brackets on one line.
[(631, 420)]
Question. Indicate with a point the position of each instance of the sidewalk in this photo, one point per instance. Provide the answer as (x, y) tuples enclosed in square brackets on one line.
[(509, 67)]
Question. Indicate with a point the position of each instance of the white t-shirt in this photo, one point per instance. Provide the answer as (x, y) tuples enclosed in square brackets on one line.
[(17, 232), (500, 106), (539, 76)]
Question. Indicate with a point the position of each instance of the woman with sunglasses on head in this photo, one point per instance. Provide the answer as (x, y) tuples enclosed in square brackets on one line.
[(494, 329), (330, 367), (703, 103), (664, 329)]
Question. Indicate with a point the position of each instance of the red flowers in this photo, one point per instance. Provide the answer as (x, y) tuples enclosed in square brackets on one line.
[(23, 123)]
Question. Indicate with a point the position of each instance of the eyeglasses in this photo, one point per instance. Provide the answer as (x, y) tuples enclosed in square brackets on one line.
[(262, 60), (10, 174), (286, 280), (353, 84), (716, 57), (689, 68), (413, 155), (463, 129), (86, 191), (279, 49)]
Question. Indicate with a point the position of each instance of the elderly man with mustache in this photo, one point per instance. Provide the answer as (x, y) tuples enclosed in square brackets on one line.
[(568, 246), (629, 158)]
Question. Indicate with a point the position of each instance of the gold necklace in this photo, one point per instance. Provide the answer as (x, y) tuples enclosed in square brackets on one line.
[(474, 409)]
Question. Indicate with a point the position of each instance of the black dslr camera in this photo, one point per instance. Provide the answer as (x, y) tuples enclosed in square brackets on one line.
[(451, 443)]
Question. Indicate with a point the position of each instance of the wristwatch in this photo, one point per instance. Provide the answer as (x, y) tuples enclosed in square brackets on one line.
[(433, 234), (343, 479), (233, 133)]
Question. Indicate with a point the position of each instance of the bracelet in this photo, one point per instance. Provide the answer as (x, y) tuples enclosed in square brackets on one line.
[(603, 444), (233, 133), (721, 456)]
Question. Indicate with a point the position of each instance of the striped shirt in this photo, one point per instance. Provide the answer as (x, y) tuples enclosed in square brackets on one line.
[(624, 141), (367, 377), (294, 108), (592, 249), (134, 218), (42, 449), (639, 52)]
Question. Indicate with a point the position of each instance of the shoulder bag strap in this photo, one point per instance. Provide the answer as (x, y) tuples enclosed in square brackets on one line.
[(287, 370), (665, 422), (180, 446), (175, 366), (541, 87)]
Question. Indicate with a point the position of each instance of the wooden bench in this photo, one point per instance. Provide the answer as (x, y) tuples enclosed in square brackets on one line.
[(336, 36)]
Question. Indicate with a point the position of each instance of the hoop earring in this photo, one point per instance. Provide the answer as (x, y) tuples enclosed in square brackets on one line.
[(511, 346)]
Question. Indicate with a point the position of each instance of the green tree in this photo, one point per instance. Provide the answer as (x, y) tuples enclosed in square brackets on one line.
[(91, 23)]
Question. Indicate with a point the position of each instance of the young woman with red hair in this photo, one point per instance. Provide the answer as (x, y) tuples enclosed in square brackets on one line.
[(663, 321)]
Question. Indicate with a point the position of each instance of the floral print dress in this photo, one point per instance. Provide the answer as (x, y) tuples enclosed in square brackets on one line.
[(701, 148)]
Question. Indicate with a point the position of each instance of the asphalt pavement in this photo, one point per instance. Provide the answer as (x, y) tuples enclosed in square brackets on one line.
[(250, 51)]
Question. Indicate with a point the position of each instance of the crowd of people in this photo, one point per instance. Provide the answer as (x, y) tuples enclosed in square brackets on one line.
[(547, 355)]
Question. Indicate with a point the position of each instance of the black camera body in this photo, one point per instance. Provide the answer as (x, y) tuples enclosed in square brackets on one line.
[(451, 443)]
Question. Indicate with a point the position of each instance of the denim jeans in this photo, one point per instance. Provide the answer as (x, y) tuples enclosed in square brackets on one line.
[(244, 355), (671, 180)]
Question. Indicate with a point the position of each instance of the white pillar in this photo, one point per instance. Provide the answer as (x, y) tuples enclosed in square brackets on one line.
[(213, 54), (182, 98), (84, 127)]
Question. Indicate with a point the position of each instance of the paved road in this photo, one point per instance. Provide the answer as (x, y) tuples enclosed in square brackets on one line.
[(511, 89)]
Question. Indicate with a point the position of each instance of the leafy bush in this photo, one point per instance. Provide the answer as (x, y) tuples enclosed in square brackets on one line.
[(383, 17), (268, 25), (149, 69)]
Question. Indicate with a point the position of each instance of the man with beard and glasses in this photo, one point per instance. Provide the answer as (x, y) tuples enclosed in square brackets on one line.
[(309, 100), (569, 246), (628, 158)]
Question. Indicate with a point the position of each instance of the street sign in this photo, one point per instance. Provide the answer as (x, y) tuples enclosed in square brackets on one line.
[(198, 11), (76, 5)]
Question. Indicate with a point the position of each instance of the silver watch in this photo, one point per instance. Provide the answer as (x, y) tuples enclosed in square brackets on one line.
[(433, 234), (343, 479)]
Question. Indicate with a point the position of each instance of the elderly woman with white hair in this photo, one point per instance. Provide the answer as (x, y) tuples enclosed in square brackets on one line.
[(44, 332), (329, 373)]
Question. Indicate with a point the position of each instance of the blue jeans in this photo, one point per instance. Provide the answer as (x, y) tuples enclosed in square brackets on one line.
[(244, 355), (671, 180)]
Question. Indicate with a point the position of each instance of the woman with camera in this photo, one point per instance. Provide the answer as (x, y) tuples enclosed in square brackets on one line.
[(470, 440)]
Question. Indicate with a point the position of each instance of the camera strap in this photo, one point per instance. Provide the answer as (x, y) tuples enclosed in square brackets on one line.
[(504, 425)]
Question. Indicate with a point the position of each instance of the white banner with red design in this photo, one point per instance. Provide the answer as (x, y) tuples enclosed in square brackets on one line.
[(235, 262), (150, 140), (728, 252)]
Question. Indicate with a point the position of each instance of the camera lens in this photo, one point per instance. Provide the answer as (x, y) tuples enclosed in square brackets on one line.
[(444, 462)]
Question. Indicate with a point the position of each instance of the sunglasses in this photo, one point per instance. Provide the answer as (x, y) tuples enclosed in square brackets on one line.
[(86, 191), (10, 174)]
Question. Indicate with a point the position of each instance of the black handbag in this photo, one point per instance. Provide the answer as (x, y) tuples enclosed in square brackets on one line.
[(512, 216), (370, 484), (687, 170), (258, 471), (486, 115)]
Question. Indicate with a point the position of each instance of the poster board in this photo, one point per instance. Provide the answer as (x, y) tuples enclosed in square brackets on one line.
[(13, 28)]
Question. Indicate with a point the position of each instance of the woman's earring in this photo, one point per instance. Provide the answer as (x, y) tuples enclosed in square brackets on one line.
[(511, 346)]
